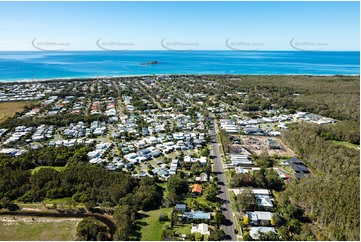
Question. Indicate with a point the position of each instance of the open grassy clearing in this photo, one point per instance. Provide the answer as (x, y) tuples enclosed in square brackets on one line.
[(57, 168), (200, 200), (46, 229), (30, 206), (40, 206), (63, 203), (347, 144), (183, 228), (8, 109), (151, 228)]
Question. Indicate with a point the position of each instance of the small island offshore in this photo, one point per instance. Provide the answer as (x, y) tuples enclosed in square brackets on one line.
[(180, 157), (150, 63)]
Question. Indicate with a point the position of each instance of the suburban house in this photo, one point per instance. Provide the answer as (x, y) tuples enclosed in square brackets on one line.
[(253, 130), (281, 174), (197, 215), (197, 190), (173, 167), (180, 207), (254, 232), (298, 167), (229, 126), (259, 217), (242, 160), (203, 177), (200, 228), (264, 201), (263, 196)]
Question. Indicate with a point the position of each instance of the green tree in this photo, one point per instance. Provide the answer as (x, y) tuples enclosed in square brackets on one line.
[(198, 236), (284, 233), (267, 236), (177, 184), (273, 180), (89, 229), (217, 235), (246, 200), (125, 221), (219, 218), (205, 152), (167, 234), (211, 193), (247, 236), (277, 220), (264, 160), (171, 199)]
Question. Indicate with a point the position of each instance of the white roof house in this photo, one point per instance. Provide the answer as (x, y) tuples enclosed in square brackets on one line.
[(274, 133), (203, 177), (258, 216), (254, 232), (240, 160), (264, 201), (202, 160), (187, 158), (240, 170), (200, 228), (178, 136), (262, 196)]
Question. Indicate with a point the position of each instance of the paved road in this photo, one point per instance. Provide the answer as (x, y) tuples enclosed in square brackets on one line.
[(226, 208)]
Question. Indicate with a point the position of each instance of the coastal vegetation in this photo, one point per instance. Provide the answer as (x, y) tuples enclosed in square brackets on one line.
[(331, 196)]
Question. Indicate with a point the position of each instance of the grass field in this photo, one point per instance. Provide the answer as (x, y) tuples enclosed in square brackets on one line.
[(183, 229), (58, 168), (28, 228), (233, 201), (151, 228), (347, 144), (227, 173), (8, 109), (30, 205), (200, 200), (218, 138), (39, 206)]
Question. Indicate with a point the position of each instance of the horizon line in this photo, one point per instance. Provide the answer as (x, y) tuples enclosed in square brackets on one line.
[(79, 78), (97, 50)]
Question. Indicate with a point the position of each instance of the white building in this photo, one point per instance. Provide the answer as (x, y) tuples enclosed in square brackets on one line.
[(200, 228), (240, 160), (257, 217), (254, 232)]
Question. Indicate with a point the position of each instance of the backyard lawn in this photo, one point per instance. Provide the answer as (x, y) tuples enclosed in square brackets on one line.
[(151, 228)]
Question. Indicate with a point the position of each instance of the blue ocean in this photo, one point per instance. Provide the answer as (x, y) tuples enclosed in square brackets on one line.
[(41, 65)]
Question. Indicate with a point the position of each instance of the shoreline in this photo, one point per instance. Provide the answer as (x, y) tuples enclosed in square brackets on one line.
[(145, 75), (200, 50)]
